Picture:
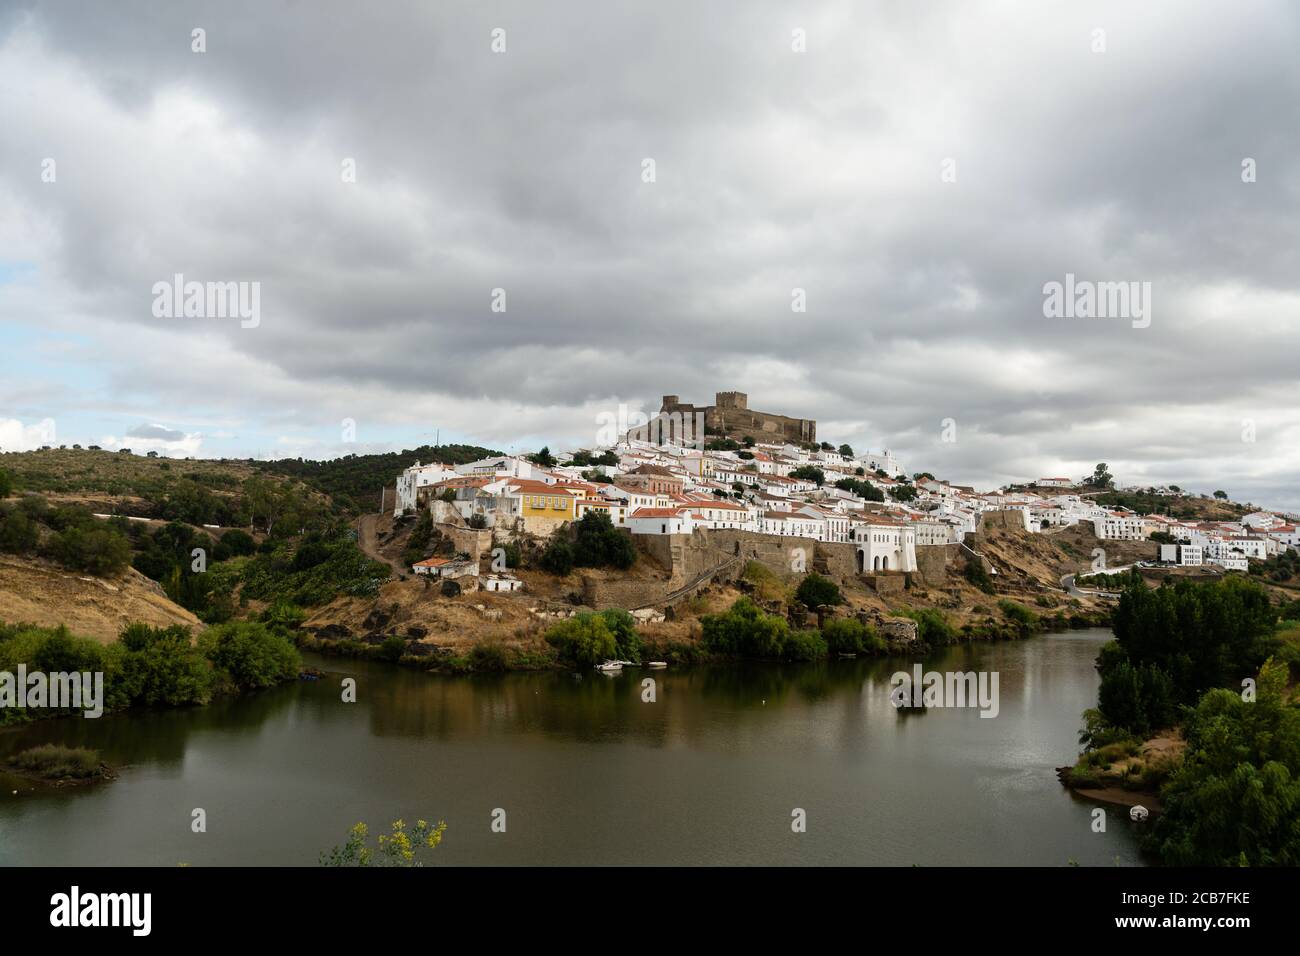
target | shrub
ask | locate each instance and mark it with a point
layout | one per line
(18, 532)
(392, 648)
(250, 655)
(583, 640)
(1026, 619)
(803, 646)
(489, 657)
(932, 626)
(815, 590)
(627, 639)
(162, 666)
(743, 630)
(57, 762)
(558, 557)
(6, 484)
(846, 635)
(598, 544)
(978, 575)
(99, 550)
(234, 544)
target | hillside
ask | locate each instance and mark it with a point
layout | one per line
(40, 592)
(354, 482)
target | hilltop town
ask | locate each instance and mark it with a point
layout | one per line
(691, 508)
(667, 478)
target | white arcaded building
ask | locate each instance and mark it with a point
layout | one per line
(885, 545)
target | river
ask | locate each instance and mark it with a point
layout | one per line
(589, 773)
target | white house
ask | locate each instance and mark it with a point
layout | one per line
(661, 521)
(1120, 527)
(885, 545)
(414, 478)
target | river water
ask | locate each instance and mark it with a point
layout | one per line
(587, 772)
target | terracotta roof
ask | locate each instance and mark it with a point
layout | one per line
(656, 513)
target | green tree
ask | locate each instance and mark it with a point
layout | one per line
(809, 473)
(815, 590)
(1100, 477)
(558, 556)
(627, 639)
(1222, 495)
(1236, 798)
(543, 458)
(6, 484)
(250, 655)
(744, 630)
(847, 635)
(583, 640)
(846, 450)
(18, 533)
(598, 544)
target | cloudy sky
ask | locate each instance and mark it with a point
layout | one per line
(920, 169)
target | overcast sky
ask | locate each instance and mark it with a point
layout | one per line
(920, 169)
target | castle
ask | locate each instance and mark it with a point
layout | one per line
(731, 416)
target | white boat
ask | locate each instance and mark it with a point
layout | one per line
(1138, 813)
(657, 665)
(610, 667)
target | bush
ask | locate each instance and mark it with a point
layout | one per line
(847, 635)
(391, 649)
(743, 630)
(598, 544)
(18, 532)
(978, 575)
(803, 646)
(162, 666)
(558, 557)
(627, 640)
(56, 762)
(6, 484)
(489, 657)
(1022, 616)
(234, 544)
(250, 655)
(815, 590)
(101, 551)
(932, 626)
(583, 640)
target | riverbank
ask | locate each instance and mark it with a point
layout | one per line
(1127, 773)
(680, 642)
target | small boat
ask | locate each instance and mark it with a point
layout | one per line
(1138, 813)
(846, 656)
(610, 667)
(657, 665)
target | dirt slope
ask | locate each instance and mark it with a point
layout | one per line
(36, 592)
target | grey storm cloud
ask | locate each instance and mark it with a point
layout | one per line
(775, 170)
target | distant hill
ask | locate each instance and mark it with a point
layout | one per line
(355, 481)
